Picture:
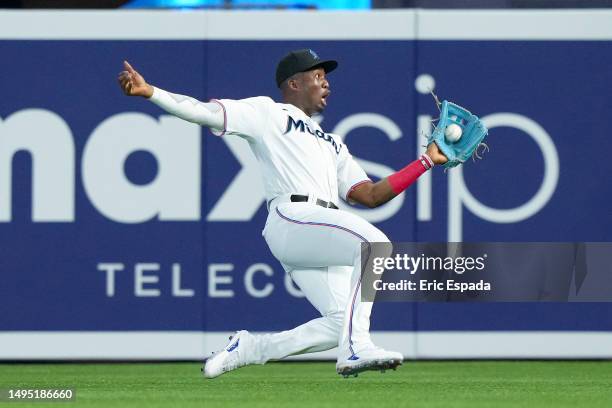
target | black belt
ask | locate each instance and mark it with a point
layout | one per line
(296, 198)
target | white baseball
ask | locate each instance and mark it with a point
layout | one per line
(453, 133)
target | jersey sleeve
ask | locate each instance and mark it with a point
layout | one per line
(244, 117)
(350, 174)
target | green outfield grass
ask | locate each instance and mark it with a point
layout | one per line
(415, 384)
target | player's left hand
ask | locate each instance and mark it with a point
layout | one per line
(434, 153)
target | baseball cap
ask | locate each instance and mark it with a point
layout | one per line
(301, 61)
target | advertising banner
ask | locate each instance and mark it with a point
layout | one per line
(117, 217)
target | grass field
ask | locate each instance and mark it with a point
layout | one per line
(416, 384)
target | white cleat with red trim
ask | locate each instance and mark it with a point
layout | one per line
(372, 358)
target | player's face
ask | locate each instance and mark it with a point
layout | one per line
(316, 89)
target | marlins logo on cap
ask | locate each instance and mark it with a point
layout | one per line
(301, 61)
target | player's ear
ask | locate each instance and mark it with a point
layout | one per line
(292, 83)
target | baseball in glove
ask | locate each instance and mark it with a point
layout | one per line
(472, 133)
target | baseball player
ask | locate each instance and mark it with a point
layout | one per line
(305, 172)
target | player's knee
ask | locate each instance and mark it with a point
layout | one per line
(376, 235)
(383, 238)
(336, 319)
(380, 245)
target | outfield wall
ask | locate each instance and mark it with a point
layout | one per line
(126, 233)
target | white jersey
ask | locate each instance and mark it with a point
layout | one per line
(295, 155)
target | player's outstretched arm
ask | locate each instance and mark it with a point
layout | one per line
(184, 107)
(375, 194)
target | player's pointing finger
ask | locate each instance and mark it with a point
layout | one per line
(128, 67)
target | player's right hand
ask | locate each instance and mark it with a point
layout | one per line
(132, 83)
(435, 154)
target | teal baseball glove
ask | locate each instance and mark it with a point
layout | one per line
(458, 134)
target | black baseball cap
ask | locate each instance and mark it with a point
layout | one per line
(301, 61)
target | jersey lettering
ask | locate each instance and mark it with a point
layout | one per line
(303, 127)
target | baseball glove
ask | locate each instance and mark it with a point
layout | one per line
(473, 132)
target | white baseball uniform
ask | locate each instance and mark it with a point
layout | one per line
(319, 247)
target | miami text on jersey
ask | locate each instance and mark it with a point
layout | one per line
(303, 127)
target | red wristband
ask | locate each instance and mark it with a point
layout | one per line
(402, 179)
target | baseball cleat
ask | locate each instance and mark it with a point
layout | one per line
(375, 358)
(234, 355)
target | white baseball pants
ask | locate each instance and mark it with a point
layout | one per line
(321, 249)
